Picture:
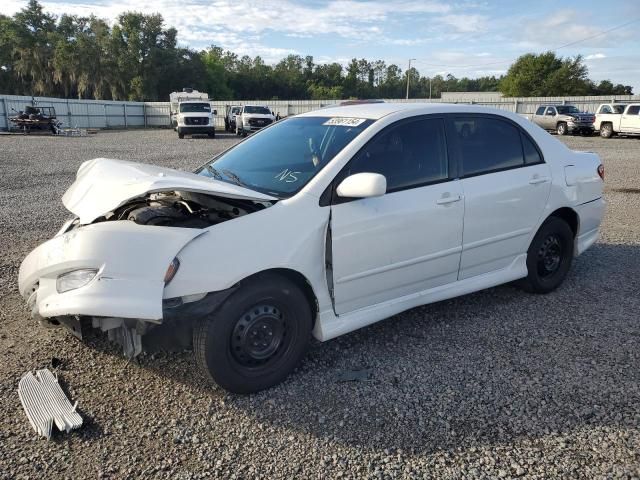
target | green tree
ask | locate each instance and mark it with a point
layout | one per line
(545, 75)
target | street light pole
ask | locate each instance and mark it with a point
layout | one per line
(408, 71)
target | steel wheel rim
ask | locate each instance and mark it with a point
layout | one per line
(550, 256)
(260, 336)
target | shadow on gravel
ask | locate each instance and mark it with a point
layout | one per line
(492, 367)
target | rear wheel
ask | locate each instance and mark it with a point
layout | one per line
(606, 130)
(257, 337)
(561, 128)
(549, 256)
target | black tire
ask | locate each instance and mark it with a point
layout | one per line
(549, 256)
(606, 130)
(256, 338)
(561, 128)
(180, 134)
(244, 134)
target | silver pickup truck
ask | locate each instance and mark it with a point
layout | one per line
(564, 119)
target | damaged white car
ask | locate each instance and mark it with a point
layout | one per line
(317, 225)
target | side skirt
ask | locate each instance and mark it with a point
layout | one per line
(330, 326)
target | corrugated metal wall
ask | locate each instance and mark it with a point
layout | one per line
(112, 114)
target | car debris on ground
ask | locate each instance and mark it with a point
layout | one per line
(45, 403)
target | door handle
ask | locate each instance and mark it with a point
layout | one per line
(449, 199)
(536, 180)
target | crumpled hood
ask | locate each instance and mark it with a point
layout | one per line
(103, 184)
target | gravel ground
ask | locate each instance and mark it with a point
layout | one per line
(495, 384)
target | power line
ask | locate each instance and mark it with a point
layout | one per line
(550, 49)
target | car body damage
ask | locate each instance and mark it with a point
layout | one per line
(316, 225)
(102, 185)
(131, 221)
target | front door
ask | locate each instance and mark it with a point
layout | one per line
(550, 118)
(409, 239)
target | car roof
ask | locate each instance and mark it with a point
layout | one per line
(375, 111)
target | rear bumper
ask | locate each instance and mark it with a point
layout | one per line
(591, 215)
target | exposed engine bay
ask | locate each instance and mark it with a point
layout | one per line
(183, 209)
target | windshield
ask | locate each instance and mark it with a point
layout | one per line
(564, 110)
(281, 159)
(261, 110)
(235, 110)
(195, 107)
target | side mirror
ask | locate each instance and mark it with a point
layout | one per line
(362, 185)
(215, 112)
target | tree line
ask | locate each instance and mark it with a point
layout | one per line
(138, 58)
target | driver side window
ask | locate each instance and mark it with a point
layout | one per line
(409, 155)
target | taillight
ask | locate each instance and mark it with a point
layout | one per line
(601, 171)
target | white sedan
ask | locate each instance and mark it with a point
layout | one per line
(317, 225)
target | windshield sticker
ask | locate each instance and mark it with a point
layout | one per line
(345, 121)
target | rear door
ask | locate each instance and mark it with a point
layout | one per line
(630, 121)
(506, 186)
(409, 239)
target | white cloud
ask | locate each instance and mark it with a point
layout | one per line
(595, 56)
(465, 23)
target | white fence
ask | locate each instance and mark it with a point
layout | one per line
(115, 114)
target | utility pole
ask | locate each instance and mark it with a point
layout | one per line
(429, 88)
(408, 71)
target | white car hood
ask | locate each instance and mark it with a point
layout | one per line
(103, 184)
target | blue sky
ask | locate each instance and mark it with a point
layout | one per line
(464, 38)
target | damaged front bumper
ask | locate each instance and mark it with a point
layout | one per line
(125, 298)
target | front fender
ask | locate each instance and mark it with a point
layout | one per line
(131, 260)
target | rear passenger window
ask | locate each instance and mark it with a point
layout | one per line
(408, 155)
(531, 153)
(487, 144)
(633, 110)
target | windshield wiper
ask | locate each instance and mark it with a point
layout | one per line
(216, 174)
(234, 177)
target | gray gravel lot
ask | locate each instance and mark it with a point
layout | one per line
(499, 383)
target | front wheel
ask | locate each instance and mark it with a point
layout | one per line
(562, 129)
(549, 256)
(257, 336)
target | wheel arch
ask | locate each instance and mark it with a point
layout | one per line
(297, 278)
(570, 216)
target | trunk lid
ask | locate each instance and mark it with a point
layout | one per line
(104, 184)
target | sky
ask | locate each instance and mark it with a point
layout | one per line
(465, 38)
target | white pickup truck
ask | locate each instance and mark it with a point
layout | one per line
(615, 118)
(252, 118)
